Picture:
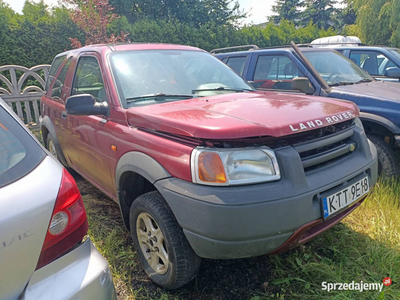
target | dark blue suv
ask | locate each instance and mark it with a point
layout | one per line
(325, 72)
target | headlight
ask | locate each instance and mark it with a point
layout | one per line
(358, 123)
(233, 166)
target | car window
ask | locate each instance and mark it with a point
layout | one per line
(275, 72)
(237, 64)
(373, 62)
(88, 79)
(53, 70)
(19, 153)
(59, 82)
(224, 60)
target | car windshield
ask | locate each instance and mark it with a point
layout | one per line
(19, 153)
(336, 69)
(148, 77)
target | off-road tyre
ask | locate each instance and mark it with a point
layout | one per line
(387, 159)
(183, 263)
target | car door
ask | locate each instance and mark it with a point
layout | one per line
(89, 141)
(375, 63)
(53, 101)
(275, 72)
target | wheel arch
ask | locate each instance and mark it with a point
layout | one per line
(47, 127)
(377, 125)
(135, 175)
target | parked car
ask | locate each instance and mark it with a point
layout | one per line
(43, 254)
(381, 62)
(325, 72)
(200, 163)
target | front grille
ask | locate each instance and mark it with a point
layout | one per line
(324, 150)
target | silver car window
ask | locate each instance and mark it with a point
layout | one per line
(19, 153)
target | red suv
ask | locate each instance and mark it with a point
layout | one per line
(201, 164)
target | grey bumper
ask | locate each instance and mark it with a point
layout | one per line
(251, 220)
(82, 273)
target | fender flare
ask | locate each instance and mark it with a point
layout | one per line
(141, 164)
(48, 124)
(381, 121)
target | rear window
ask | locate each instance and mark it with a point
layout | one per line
(19, 153)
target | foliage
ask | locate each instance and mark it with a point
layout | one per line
(42, 32)
(93, 18)
(320, 12)
(189, 12)
(287, 9)
(377, 21)
(36, 36)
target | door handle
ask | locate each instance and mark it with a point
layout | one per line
(64, 114)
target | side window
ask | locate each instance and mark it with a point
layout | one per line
(88, 79)
(275, 72)
(53, 70)
(59, 81)
(237, 64)
(373, 62)
(224, 60)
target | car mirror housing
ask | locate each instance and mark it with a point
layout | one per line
(303, 85)
(392, 72)
(85, 105)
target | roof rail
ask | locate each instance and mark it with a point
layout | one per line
(252, 47)
(334, 43)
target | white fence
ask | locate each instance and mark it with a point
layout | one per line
(18, 91)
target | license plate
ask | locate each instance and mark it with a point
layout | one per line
(343, 198)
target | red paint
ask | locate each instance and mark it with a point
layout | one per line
(86, 140)
(238, 115)
(312, 229)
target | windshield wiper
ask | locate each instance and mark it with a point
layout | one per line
(341, 83)
(364, 80)
(158, 97)
(221, 88)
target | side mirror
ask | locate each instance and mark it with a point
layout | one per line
(303, 85)
(85, 105)
(392, 72)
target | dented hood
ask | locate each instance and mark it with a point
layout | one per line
(241, 115)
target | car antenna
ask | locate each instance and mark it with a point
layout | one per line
(310, 67)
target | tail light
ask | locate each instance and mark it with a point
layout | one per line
(68, 224)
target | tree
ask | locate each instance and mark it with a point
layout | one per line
(93, 17)
(192, 12)
(288, 10)
(321, 12)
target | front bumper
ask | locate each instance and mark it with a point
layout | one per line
(244, 221)
(82, 273)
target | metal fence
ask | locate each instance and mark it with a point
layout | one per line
(21, 88)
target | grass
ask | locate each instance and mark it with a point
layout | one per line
(364, 247)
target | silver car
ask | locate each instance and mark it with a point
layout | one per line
(43, 224)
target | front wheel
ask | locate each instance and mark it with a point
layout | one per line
(164, 252)
(387, 159)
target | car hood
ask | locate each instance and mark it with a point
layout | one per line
(380, 90)
(242, 115)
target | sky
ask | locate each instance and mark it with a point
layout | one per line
(258, 9)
